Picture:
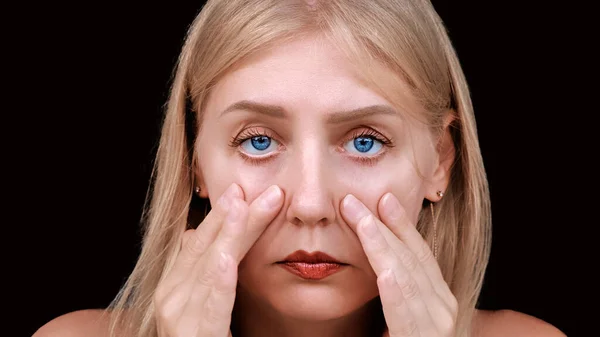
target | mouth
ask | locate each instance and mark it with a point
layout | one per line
(311, 266)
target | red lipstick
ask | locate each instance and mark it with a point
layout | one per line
(311, 266)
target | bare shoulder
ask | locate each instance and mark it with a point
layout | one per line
(81, 323)
(502, 323)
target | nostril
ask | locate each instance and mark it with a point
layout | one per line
(298, 222)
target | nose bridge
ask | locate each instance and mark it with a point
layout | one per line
(311, 196)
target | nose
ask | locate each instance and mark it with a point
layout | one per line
(312, 199)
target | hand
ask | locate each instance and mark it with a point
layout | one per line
(416, 299)
(196, 297)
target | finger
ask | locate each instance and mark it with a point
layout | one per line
(395, 218)
(364, 223)
(233, 231)
(236, 236)
(211, 300)
(196, 242)
(262, 211)
(383, 259)
(397, 252)
(209, 228)
(398, 317)
(244, 224)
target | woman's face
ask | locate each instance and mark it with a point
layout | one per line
(297, 115)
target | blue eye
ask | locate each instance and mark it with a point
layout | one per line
(363, 145)
(258, 145)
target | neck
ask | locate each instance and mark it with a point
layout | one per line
(252, 318)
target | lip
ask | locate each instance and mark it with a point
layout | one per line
(311, 266)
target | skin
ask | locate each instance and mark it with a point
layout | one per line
(324, 197)
(316, 165)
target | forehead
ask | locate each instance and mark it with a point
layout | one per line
(308, 74)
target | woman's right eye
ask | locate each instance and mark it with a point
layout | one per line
(259, 145)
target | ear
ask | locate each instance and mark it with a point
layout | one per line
(198, 181)
(446, 154)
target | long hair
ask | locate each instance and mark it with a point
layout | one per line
(407, 37)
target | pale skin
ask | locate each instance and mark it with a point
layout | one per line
(311, 188)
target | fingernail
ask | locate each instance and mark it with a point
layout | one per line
(271, 197)
(354, 210)
(231, 192)
(391, 206)
(369, 226)
(223, 262)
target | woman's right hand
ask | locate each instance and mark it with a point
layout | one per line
(196, 297)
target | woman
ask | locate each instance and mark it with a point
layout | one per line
(336, 144)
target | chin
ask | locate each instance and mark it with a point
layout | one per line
(314, 302)
(330, 298)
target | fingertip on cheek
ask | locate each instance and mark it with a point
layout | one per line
(272, 198)
(390, 206)
(237, 191)
(353, 210)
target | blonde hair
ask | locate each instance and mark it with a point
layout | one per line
(407, 37)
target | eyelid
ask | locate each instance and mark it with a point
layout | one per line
(250, 132)
(360, 131)
(364, 131)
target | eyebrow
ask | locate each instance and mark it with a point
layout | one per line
(337, 117)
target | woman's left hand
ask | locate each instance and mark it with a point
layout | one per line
(415, 297)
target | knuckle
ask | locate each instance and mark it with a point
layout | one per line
(196, 245)
(186, 236)
(207, 277)
(409, 260)
(424, 253)
(410, 289)
(381, 246)
(209, 273)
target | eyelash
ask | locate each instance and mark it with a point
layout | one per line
(370, 132)
(237, 141)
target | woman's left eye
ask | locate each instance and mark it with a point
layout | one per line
(363, 145)
(259, 145)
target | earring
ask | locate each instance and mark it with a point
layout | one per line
(197, 189)
(435, 246)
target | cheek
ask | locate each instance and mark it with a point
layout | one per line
(254, 179)
(410, 190)
(226, 167)
(395, 175)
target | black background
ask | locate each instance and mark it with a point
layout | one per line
(100, 76)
